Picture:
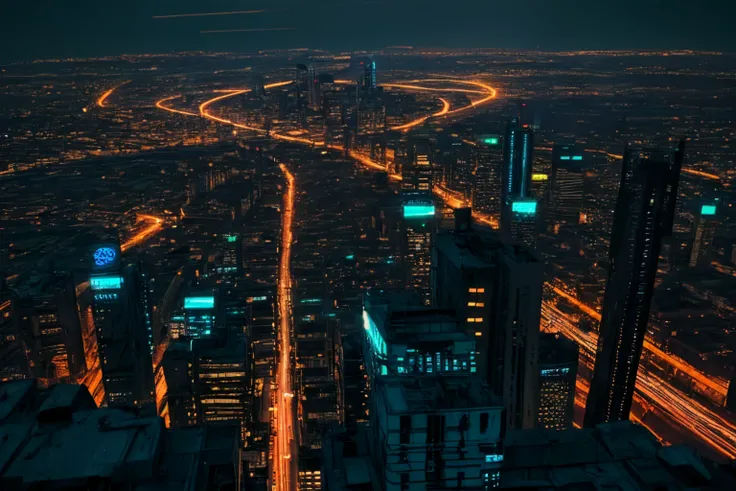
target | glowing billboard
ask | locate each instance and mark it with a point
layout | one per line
(105, 283)
(199, 302)
(418, 211)
(524, 207)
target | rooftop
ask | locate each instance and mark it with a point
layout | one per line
(58, 438)
(620, 456)
(419, 394)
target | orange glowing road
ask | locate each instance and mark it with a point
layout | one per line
(101, 100)
(720, 386)
(155, 226)
(161, 105)
(283, 465)
(692, 172)
(670, 403)
(489, 92)
(450, 197)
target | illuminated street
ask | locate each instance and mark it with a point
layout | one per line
(285, 446)
(156, 224)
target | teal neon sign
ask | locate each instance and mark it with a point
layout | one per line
(418, 211)
(491, 141)
(199, 302)
(106, 283)
(708, 210)
(524, 207)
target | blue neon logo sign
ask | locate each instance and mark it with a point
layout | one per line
(104, 256)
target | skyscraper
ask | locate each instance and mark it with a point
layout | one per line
(13, 362)
(519, 207)
(558, 369)
(704, 233)
(369, 76)
(644, 215)
(49, 325)
(200, 314)
(495, 288)
(565, 187)
(123, 322)
(418, 232)
(486, 191)
(313, 87)
(417, 173)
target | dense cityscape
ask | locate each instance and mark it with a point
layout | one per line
(392, 270)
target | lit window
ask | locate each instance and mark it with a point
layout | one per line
(478, 334)
(478, 319)
(481, 290)
(471, 319)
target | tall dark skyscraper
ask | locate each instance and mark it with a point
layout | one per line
(418, 233)
(369, 76)
(123, 322)
(313, 87)
(519, 207)
(495, 288)
(644, 215)
(704, 231)
(565, 187)
(558, 369)
(417, 173)
(486, 188)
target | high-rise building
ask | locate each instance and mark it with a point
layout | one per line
(200, 314)
(565, 187)
(495, 288)
(558, 369)
(65, 435)
(704, 233)
(313, 87)
(318, 378)
(370, 82)
(417, 173)
(519, 207)
(50, 328)
(402, 336)
(486, 191)
(13, 361)
(435, 432)
(644, 214)
(123, 322)
(418, 232)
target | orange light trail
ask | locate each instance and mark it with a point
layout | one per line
(285, 444)
(429, 89)
(160, 105)
(490, 94)
(673, 404)
(144, 234)
(692, 172)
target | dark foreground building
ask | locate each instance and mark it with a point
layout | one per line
(58, 439)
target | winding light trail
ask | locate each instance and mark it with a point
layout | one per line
(101, 100)
(285, 444)
(155, 227)
(161, 105)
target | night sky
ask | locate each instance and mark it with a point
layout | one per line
(79, 28)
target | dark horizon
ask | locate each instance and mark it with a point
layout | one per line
(89, 29)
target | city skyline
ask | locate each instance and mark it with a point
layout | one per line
(398, 270)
